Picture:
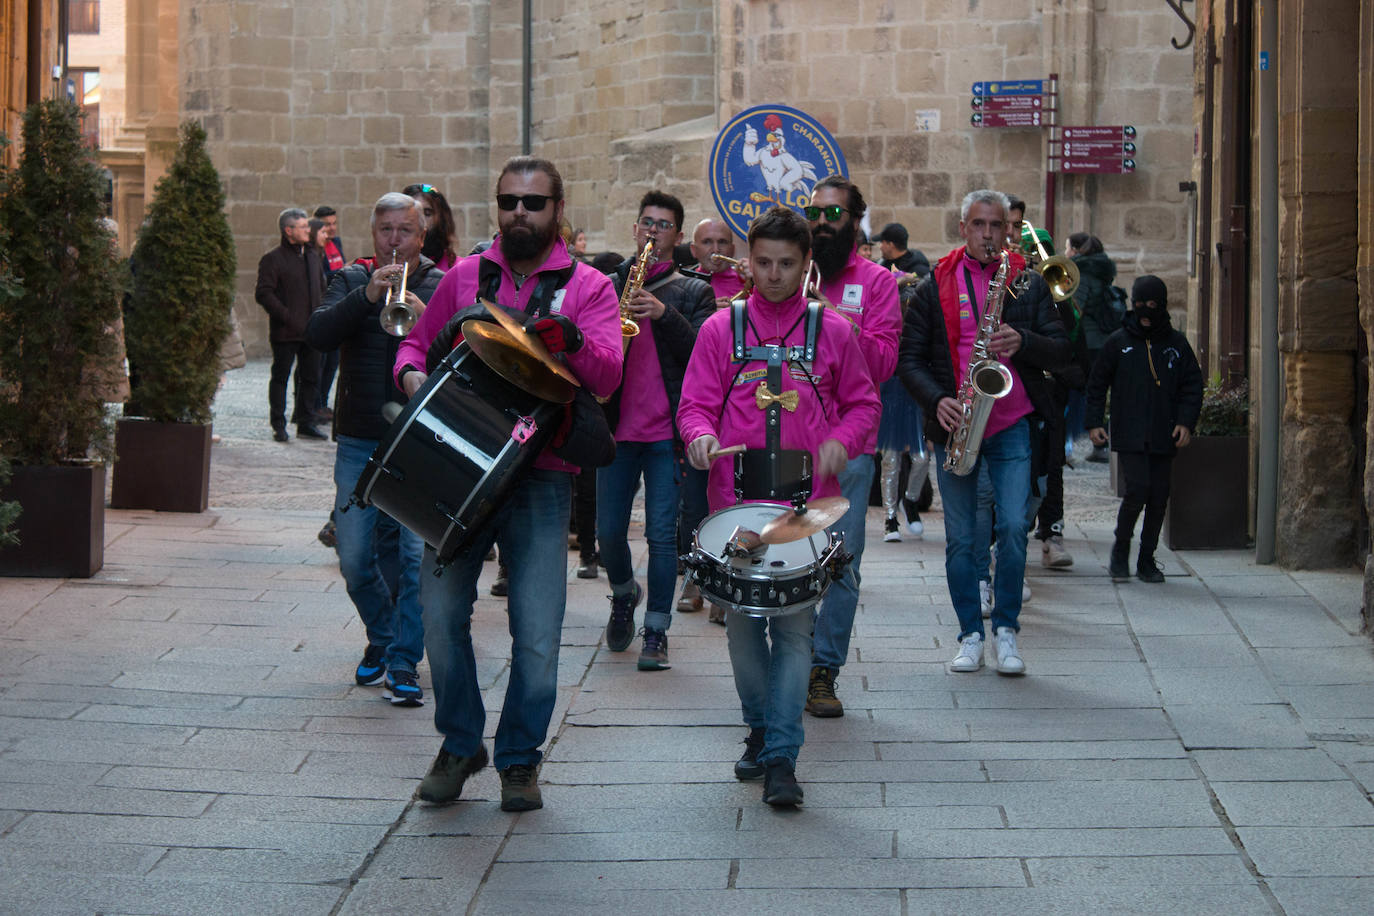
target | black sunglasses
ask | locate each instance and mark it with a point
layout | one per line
(833, 213)
(533, 202)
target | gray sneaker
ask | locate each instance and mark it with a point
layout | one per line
(444, 781)
(520, 788)
(1052, 553)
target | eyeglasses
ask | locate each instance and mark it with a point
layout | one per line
(666, 225)
(533, 202)
(833, 213)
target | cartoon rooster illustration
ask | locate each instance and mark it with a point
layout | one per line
(782, 172)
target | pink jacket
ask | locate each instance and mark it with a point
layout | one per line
(588, 300)
(867, 293)
(848, 414)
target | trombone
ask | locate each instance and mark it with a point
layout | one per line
(1060, 273)
(397, 317)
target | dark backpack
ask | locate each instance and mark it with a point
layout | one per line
(1113, 310)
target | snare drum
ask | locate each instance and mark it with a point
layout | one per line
(768, 580)
(455, 452)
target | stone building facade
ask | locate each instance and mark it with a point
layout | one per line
(320, 101)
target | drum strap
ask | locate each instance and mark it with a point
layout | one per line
(489, 283)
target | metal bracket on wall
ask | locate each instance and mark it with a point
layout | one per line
(1177, 7)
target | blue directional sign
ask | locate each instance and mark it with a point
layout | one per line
(1009, 87)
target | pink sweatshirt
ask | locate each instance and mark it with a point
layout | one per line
(588, 300)
(867, 293)
(849, 413)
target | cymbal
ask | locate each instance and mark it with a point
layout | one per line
(507, 358)
(531, 343)
(791, 525)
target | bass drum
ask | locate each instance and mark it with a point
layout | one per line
(455, 452)
(768, 580)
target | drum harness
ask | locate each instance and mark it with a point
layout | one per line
(802, 356)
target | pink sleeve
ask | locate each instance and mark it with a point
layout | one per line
(442, 306)
(856, 403)
(703, 387)
(882, 328)
(596, 312)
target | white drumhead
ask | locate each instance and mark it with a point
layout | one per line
(776, 559)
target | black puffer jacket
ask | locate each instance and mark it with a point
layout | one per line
(687, 303)
(1096, 273)
(366, 352)
(926, 368)
(1156, 385)
(911, 262)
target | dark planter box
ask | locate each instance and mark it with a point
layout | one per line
(1209, 495)
(62, 528)
(161, 466)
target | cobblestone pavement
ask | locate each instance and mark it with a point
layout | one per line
(180, 734)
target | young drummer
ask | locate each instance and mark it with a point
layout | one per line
(829, 409)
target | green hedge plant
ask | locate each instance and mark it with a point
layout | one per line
(56, 329)
(183, 290)
(1225, 411)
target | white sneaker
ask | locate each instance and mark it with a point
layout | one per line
(985, 599)
(890, 532)
(1025, 592)
(970, 657)
(1008, 656)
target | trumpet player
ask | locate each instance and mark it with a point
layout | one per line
(662, 310)
(348, 321)
(713, 245)
(866, 295)
(943, 324)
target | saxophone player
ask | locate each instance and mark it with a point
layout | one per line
(667, 309)
(938, 339)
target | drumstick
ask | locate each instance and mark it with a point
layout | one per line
(715, 453)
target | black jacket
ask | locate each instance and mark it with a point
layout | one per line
(1156, 384)
(349, 322)
(1096, 273)
(926, 368)
(290, 285)
(911, 262)
(687, 303)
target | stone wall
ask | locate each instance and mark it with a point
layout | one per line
(335, 101)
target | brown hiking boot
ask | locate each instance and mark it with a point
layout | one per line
(444, 781)
(821, 701)
(520, 788)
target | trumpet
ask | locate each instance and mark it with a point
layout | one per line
(718, 259)
(1060, 273)
(397, 317)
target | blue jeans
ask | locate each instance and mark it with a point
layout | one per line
(615, 494)
(362, 532)
(771, 680)
(1007, 456)
(531, 530)
(835, 622)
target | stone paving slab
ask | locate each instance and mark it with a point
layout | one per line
(181, 733)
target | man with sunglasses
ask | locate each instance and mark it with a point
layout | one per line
(865, 294)
(573, 308)
(668, 308)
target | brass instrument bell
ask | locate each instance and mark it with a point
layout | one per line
(1059, 272)
(397, 317)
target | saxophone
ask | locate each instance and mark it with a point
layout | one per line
(634, 281)
(986, 381)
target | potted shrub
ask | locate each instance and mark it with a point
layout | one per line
(56, 341)
(1209, 496)
(176, 321)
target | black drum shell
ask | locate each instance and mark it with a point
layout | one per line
(452, 456)
(754, 475)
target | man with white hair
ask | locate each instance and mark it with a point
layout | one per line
(290, 283)
(349, 321)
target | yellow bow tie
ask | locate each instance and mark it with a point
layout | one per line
(763, 397)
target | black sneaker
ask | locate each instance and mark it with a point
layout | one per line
(401, 688)
(328, 535)
(1118, 568)
(748, 766)
(913, 517)
(444, 781)
(280, 435)
(654, 655)
(620, 629)
(307, 431)
(371, 671)
(780, 787)
(1147, 570)
(520, 788)
(891, 530)
(588, 570)
(501, 587)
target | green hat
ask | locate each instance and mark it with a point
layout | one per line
(1028, 244)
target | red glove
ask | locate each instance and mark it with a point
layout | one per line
(559, 334)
